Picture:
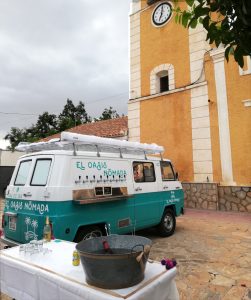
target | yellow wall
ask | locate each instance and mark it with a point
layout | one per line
(238, 89)
(166, 120)
(156, 49)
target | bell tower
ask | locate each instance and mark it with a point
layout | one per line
(181, 96)
(165, 63)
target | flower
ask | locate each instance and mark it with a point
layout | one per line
(169, 263)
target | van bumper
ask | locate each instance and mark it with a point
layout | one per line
(8, 242)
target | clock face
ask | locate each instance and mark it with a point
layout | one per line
(161, 14)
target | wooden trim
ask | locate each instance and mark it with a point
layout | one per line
(102, 199)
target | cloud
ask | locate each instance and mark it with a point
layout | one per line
(54, 50)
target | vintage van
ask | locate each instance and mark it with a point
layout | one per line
(90, 186)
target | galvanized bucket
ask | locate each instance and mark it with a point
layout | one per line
(122, 268)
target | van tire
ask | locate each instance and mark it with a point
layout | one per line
(168, 223)
(87, 233)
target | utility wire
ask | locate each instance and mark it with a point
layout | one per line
(89, 102)
(22, 114)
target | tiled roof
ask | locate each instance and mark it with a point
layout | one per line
(113, 128)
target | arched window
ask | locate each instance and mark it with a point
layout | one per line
(162, 79)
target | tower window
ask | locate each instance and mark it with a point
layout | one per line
(162, 79)
(164, 84)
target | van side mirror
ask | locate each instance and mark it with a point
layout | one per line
(176, 176)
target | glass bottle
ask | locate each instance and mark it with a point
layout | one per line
(107, 248)
(47, 230)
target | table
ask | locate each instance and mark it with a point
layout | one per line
(52, 276)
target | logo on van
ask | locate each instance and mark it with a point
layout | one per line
(79, 165)
(29, 234)
(41, 208)
(99, 165)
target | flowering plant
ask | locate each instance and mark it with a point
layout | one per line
(169, 263)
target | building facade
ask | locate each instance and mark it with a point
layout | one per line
(186, 97)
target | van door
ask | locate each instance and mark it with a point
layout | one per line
(170, 185)
(36, 188)
(147, 200)
(25, 201)
(14, 200)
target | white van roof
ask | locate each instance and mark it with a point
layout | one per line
(69, 141)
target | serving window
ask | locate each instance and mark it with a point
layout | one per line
(166, 171)
(143, 172)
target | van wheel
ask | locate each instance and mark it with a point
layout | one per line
(87, 233)
(168, 223)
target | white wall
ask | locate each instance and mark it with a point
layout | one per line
(8, 158)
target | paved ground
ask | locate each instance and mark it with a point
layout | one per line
(213, 250)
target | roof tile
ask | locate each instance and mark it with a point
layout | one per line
(112, 128)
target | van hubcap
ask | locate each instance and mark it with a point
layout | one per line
(168, 222)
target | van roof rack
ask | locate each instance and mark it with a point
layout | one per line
(75, 142)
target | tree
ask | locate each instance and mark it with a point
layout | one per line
(81, 114)
(67, 118)
(227, 22)
(46, 125)
(15, 136)
(108, 113)
(72, 116)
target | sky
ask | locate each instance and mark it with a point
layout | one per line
(54, 50)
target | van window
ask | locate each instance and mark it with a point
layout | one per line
(166, 171)
(23, 172)
(41, 172)
(143, 172)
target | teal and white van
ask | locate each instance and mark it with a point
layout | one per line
(90, 186)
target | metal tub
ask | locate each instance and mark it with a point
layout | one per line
(123, 268)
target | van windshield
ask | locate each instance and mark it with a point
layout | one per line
(41, 172)
(23, 172)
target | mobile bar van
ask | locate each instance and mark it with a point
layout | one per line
(90, 186)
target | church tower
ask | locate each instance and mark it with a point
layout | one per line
(186, 97)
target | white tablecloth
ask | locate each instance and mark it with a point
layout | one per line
(52, 276)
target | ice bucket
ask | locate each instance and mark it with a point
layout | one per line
(121, 266)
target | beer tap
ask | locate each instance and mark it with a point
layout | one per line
(93, 180)
(86, 179)
(100, 180)
(79, 180)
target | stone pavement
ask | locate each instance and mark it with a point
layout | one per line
(213, 250)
